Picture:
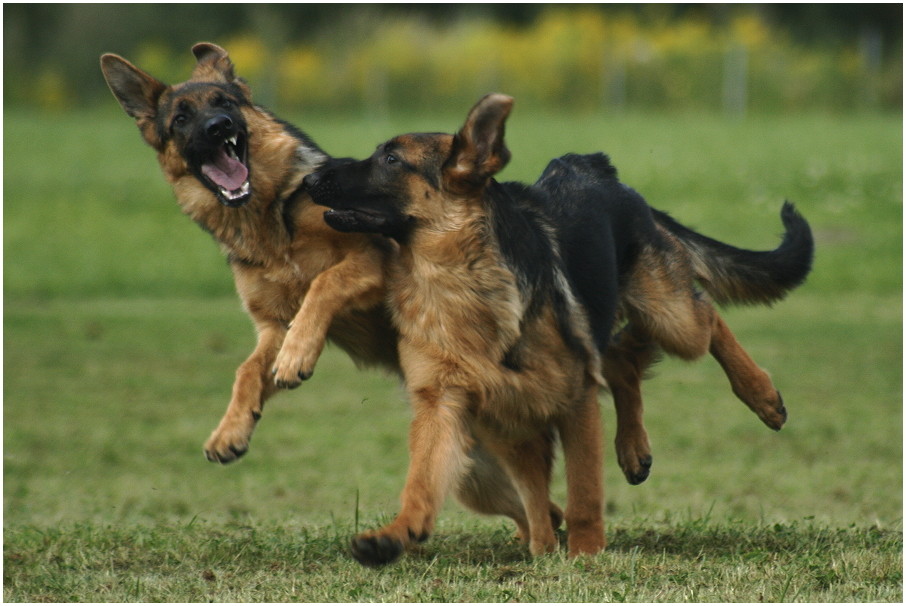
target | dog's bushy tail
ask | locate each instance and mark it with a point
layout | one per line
(734, 275)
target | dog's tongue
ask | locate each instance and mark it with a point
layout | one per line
(225, 171)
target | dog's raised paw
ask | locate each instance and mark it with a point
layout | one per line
(774, 415)
(227, 445)
(287, 380)
(641, 474)
(230, 454)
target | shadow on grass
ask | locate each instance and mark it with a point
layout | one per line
(703, 538)
(693, 540)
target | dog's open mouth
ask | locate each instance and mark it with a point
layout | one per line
(227, 171)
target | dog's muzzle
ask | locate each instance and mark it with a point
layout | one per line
(323, 187)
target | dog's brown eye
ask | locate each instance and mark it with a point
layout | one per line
(391, 159)
(179, 120)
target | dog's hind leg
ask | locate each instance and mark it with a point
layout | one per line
(580, 432)
(487, 489)
(661, 299)
(252, 387)
(625, 361)
(528, 465)
(685, 324)
(670, 327)
(750, 383)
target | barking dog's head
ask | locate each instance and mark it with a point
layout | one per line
(199, 122)
(421, 179)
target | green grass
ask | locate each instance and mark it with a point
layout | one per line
(677, 561)
(122, 332)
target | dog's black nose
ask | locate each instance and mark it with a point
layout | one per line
(219, 126)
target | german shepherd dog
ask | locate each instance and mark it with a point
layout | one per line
(506, 297)
(237, 171)
(495, 349)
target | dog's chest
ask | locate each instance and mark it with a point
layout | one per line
(273, 291)
(287, 271)
(471, 312)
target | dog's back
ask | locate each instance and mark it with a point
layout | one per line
(600, 225)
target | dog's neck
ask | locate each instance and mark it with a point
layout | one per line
(253, 232)
(452, 292)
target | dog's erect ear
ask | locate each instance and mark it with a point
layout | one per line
(479, 151)
(136, 91)
(213, 63)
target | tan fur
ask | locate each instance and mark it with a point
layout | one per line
(459, 311)
(665, 311)
(299, 283)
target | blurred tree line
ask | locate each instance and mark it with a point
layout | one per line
(734, 58)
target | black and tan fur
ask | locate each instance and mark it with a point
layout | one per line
(660, 306)
(495, 349)
(300, 281)
(496, 292)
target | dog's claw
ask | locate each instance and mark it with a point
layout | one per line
(223, 459)
(302, 375)
(781, 410)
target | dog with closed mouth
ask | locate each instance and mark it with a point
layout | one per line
(507, 297)
(495, 349)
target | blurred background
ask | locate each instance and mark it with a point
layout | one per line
(730, 58)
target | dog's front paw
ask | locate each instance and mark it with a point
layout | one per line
(376, 550)
(230, 440)
(296, 362)
(586, 538)
(384, 546)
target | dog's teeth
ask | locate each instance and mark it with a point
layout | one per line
(233, 140)
(236, 193)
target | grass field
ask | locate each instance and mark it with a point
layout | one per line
(122, 332)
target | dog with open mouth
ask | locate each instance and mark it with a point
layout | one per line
(237, 171)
